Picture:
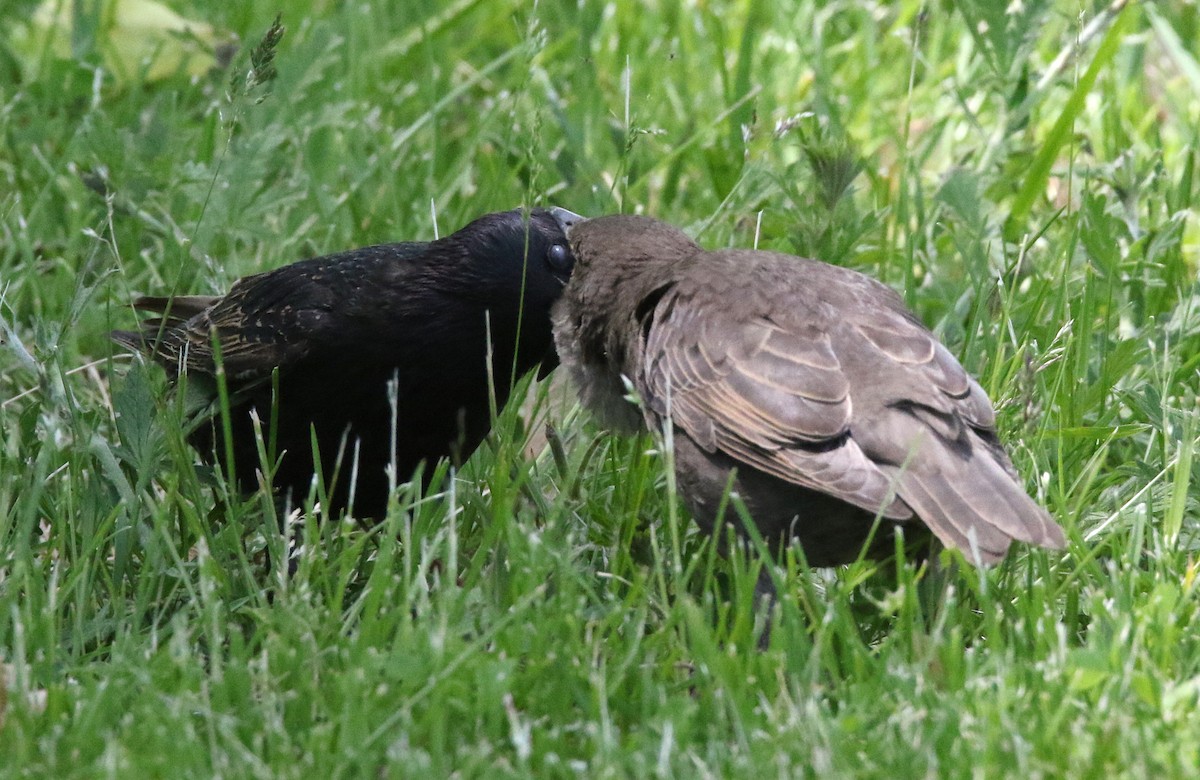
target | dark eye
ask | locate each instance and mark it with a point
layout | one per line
(559, 257)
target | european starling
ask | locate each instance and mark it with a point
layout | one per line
(806, 390)
(311, 348)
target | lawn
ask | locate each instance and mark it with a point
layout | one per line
(1023, 173)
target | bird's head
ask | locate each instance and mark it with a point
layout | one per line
(516, 264)
(620, 261)
(519, 257)
(624, 245)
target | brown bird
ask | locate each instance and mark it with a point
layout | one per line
(311, 348)
(807, 390)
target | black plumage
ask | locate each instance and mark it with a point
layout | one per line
(807, 389)
(311, 348)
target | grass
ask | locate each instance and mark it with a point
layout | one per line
(1027, 181)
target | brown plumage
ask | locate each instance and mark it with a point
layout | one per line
(808, 389)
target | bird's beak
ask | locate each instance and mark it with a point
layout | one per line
(566, 219)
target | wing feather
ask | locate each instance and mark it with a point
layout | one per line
(254, 328)
(865, 405)
(774, 399)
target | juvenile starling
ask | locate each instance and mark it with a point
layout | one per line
(806, 390)
(314, 345)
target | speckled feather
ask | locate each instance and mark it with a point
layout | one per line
(337, 329)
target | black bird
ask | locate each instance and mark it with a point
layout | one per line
(806, 389)
(314, 345)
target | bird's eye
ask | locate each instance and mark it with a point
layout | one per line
(559, 257)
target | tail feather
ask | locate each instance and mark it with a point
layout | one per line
(129, 338)
(952, 520)
(973, 503)
(172, 312)
(181, 307)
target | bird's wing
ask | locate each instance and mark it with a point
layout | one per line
(776, 398)
(274, 319)
(866, 406)
(928, 425)
(266, 321)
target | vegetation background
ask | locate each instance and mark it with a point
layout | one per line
(1024, 173)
